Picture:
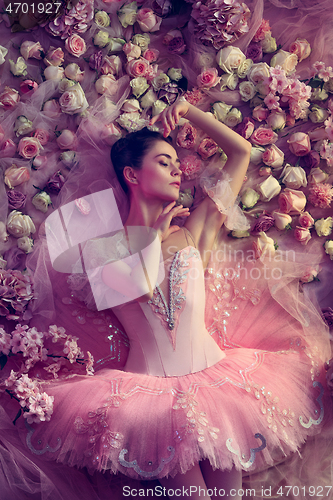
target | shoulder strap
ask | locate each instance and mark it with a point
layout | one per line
(189, 238)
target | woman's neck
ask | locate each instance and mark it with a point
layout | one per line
(143, 212)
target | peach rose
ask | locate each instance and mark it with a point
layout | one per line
(148, 20)
(281, 220)
(299, 144)
(73, 72)
(306, 220)
(292, 201)
(301, 48)
(263, 136)
(302, 234)
(75, 45)
(14, 176)
(28, 147)
(31, 49)
(67, 140)
(137, 67)
(9, 98)
(260, 113)
(273, 157)
(42, 135)
(54, 56)
(132, 51)
(208, 78)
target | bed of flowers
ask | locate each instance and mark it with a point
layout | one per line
(94, 71)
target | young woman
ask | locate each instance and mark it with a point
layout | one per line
(184, 411)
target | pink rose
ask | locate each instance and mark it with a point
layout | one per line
(148, 20)
(67, 140)
(7, 149)
(321, 195)
(208, 78)
(302, 234)
(309, 275)
(73, 72)
(190, 166)
(39, 162)
(111, 65)
(306, 220)
(273, 157)
(151, 55)
(14, 176)
(31, 49)
(52, 108)
(27, 86)
(106, 84)
(42, 135)
(246, 128)
(207, 148)
(75, 45)
(9, 98)
(262, 31)
(132, 51)
(186, 136)
(54, 56)
(28, 147)
(292, 201)
(265, 171)
(281, 220)
(299, 144)
(301, 48)
(318, 134)
(260, 113)
(175, 42)
(263, 136)
(137, 67)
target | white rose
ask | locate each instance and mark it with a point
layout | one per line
(127, 14)
(3, 262)
(276, 120)
(318, 94)
(158, 107)
(175, 74)
(19, 225)
(131, 121)
(22, 126)
(25, 243)
(139, 85)
(286, 60)
(318, 114)
(131, 105)
(229, 80)
(317, 175)
(65, 84)
(220, 110)
(249, 197)
(233, 118)
(329, 248)
(73, 72)
(324, 226)
(244, 68)
(258, 72)
(68, 158)
(205, 60)
(18, 68)
(142, 40)
(116, 44)
(269, 188)
(101, 39)
(240, 234)
(268, 44)
(247, 90)
(256, 154)
(160, 80)
(148, 99)
(3, 233)
(281, 220)
(230, 58)
(54, 73)
(73, 100)
(41, 201)
(263, 246)
(3, 53)
(102, 19)
(293, 177)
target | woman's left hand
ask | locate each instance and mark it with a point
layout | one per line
(171, 115)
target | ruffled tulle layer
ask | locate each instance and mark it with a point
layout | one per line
(151, 427)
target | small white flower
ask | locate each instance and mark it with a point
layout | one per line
(41, 201)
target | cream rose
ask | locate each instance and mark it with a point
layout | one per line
(116, 44)
(268, 44)
(73, 100)
(73, 72)
(139, 85)
(258, 72)
(220, 110)
(142, 40)
(101, 39)
(19, 68)
(286, 60)
(293, 177)
(301, 48)
(111, 65)
(329, 248)
(233, 118)
(244, 68)
(130, 106)
(264, 246)
(249, 198)
(247, 90)
(106, 84)
(230, 58)
(318, 94)
(68, 158)
(127, 14)
(102, 19)
(318, 114)
(25, 243)
(51, 108)
(65, 84)
(317, 175)
(23, 126)
(281, 220)
(158, 107)
(323, 226)
(14, 176)
(148, 99)
(19, 225)
(269, 188)
(277, 120)
(160, 80)
(131, 121)
(54, 73)
(54, 56)
(229, 80)
(175, 74)
(31, 49)
(256, 154)
(3, 53)
(41, 201)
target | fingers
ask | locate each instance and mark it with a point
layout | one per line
(169, 118)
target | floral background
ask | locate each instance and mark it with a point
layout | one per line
(84, 73)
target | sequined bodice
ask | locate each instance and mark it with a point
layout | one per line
(167, 333)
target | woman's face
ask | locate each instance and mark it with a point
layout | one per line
(159, 177)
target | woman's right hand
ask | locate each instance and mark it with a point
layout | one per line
(162, 225)
(171, 115)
